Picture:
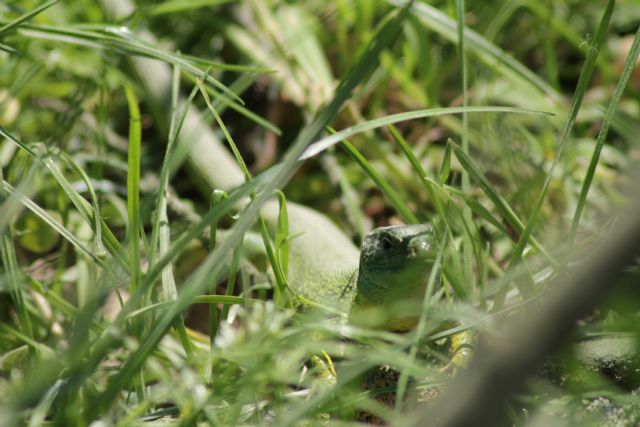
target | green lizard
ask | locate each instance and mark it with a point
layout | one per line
(392, 266)
(391, 275)
(382, 286)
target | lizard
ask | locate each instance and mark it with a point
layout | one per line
(382, 285)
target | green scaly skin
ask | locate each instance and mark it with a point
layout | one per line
(382, 286)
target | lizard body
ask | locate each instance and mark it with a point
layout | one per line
(392, 268)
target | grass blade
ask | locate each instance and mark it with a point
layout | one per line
(386, 188)
(602, 135)
(33, 207)
(133, 187)
(16, 22)
(581, 88)
(501, 205)
(326, 142)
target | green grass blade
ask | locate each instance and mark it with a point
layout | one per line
(394, 198)
(581, 88)
(326, 142)
(13, 275)
(217, 197)
(8, 49)
(33, 207)
(133, 187)
(282, 234)
(469, 236)
(88, 214)
(222, 103)
(176, 6)
(462, 58)
(12, 272)
(445, 168)
(16, 22)
(171, 159)
(200, 299)
(431, 188)
(501, 205)
(161, 232)
(281, 279)
(5, 133)
(439, 198)
(98, 246)
(478, 209)
(629, 65)
(225, 131)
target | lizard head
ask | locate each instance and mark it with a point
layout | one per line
(395, 263)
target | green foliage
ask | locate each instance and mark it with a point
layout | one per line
(143, 144)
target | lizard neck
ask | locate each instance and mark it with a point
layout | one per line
(369, 290)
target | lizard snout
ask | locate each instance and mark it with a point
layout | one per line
(421, 248)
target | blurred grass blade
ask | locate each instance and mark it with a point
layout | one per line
(122, 40)
(13, 275)
(493, 56)
(16, 22)
(469, 236)
(200, 299)
(43, 215)
(8, 49)
(176, 6)
(84, 208)
(217, 197)
(98, 246)
(403, 380)
(445, 168)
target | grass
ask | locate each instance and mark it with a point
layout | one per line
(155, 159)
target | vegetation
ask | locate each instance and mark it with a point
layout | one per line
(139, 141)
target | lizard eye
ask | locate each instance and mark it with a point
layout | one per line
(386, 243)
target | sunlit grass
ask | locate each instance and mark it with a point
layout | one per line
(169, 147)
